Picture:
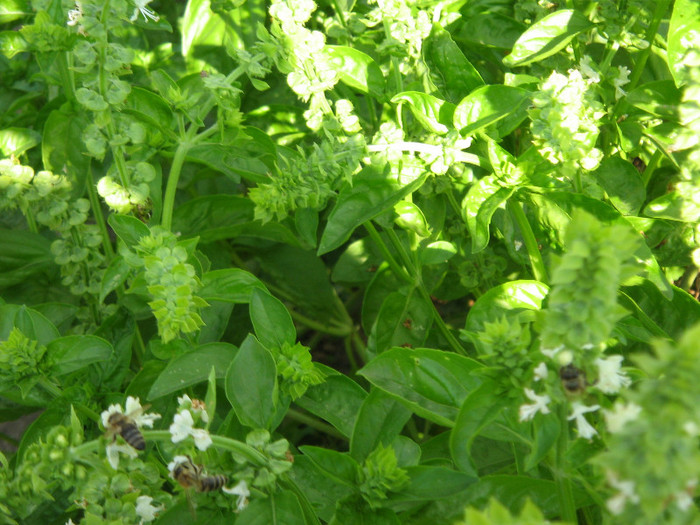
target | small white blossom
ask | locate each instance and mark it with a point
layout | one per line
(610, 377)
(202, 439)
(691, 428)
(182, 427)
(70, 522)
(113, 449)
(145, 510)
(626, 493)
(620, 415)
(591, 74)
(551, 352)
(684, 498)
(585, 430)
(240, 490)
(621, 79)
(75, 15)
(147, 12)
(195, 405)
(527, 412)
(541, 372)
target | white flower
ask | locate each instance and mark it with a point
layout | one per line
(621, 79)
(70, 522)
(147, 12)
(113, 449)
(541, 372)
(240, 490)
(75, 15)
(617, 503)
(202, 439)
(591, 74)
(145, 510)
(177, 460)
(182, 427)
(684, 498)
(691, 428)
(197, 406)
(552, 352)
(610, 377)
(585, 430)
(620, 415)
(527, 412)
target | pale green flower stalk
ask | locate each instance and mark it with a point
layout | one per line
(652, 462)
(564, 122)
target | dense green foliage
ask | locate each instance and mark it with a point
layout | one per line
(350, 262)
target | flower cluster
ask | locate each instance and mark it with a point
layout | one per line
(380, 474)
(298, 371)
(22, 362)
(123, 199)
(171, 282)
(653, 455)
(565, 119)
(184, 421)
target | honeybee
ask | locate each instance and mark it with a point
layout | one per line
(189, 475)
(573, 379)
(123, 425)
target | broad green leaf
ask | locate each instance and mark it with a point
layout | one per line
(623, 184)
(348, 512)
(660, 98)
(488, 105)
(302, 278)
(216, 217)
(216, 319)
(380, 419)
(62, 149)
(229, 160)
(320, 490)
(546, 430)
(452, 73)
(271, 320)
(372, 192)
(192, 368)
(115, 275)
(661, 316)
(481, 407)
(490, 30)
(428, 483)
(358, 263)
(282, 509)
(682, 37)
(546, 37)
(431, 383)
(403, 320)
(410, 217)
(23, 254)
(338, 400)
(434, 114)
(205, 35)
(478, 207)
(150, 108)
(251, 384)
(437, 252)
(672, 206)
(15, 141)
(11, 10)
(73, 352)
(12, 43)
(232, 285)
(513, 491)
(129, 229)
(338, 466)
(32, 324)
(357, 70)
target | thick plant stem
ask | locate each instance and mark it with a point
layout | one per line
(171, 187)
(638, 69)
(566, 496)
(538, 269)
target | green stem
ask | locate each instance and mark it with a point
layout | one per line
(171, 187)
(395, 267)
(341, 331)
(238, 447)
(347, 344)
(651, 167)
(538, 268)
(97, 213)
(314, 423)
(638, 69)
(566, 496)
